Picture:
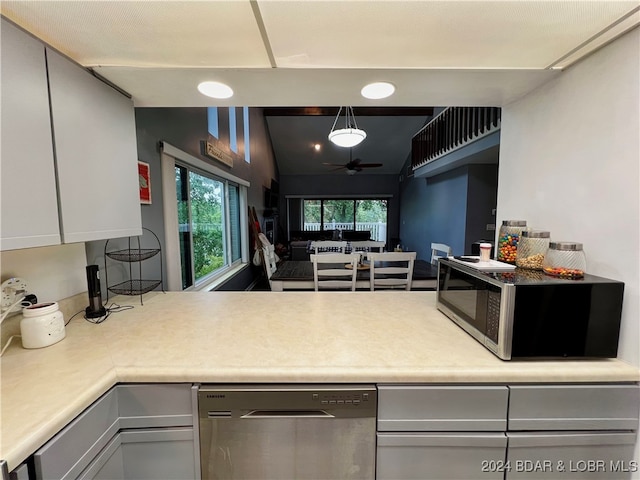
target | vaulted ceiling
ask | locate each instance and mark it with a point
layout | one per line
(320, 53)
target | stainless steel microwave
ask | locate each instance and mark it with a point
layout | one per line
(527, 314)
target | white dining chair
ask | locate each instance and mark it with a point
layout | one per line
(328, 246)
(335, 270)
(367, 246)
(269, 257)
(439, 250)
(394, 270)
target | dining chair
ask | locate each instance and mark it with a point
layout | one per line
(269, 257)
(335, 270)
(328, 246)
(394, 270)
(437, 249)
(367, 246)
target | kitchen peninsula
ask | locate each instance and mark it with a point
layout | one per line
(256, 337)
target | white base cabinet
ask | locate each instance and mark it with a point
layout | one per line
(450, 456)
(511, 432)
(441, 432)
(131, 432)
(145, 455)
(572, 431)
(577, 455)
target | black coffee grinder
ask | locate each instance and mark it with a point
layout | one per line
(95, 308)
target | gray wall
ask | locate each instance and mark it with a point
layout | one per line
(453, 207)
(185, 128)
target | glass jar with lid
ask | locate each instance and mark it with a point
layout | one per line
(508, 238)
(565, 260)
(532, 247)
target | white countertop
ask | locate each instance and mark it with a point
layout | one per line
(379, 337)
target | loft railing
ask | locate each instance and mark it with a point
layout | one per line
(453, 128)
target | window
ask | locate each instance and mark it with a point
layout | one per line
(205, 212)
(208, 224)
(347, 214)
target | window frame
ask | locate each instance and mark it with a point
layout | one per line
(170, 157)
(354, 199)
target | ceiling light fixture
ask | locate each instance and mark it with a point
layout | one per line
(350, 135)
(378, 90)
(215, 90)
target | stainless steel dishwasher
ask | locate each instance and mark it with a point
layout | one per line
(287, 432)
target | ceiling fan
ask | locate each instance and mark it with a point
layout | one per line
(352, 166)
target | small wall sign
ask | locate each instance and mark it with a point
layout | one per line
(215, 152)
(144, 179)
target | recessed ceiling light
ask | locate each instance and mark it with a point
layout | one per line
(317, 147)
(215, 90)
(378, 90)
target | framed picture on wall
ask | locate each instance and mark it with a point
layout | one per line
(144, 178)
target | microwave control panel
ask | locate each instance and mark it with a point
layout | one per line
(493, 315)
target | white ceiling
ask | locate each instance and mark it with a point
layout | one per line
(321, 52)
(318, 52)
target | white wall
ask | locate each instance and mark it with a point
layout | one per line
(52, 273)
(569, 158)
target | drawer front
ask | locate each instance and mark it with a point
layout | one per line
(440, 455)
(442, 408)
(75, 446)
(574, 407)
(155, 405)
(576, 455)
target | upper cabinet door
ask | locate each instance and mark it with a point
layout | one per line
(96, 155)
(28, 194)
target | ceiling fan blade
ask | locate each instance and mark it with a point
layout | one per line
(370, 165)
(339, 168)
(333, 164)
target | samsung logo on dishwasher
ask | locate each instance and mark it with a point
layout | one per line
(216, 395)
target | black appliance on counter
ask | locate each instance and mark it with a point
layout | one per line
(527, 314)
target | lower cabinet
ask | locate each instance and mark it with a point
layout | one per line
(441, 432)
(145, 455)
(542, 432)
(441, 456)
(145, 431)
(577, 455)
(572, 431)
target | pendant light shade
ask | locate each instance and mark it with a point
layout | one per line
(350, 135)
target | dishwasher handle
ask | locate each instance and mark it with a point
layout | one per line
(288, 414)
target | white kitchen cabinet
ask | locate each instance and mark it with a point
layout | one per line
(133, 431)
(571, 455)
(441, 431)
(145, 455)
(572, 431)
(96, 155)
(69, 156)
(510, 432)
(28, 194)
(455, 456)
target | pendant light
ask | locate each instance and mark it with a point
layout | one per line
(350, 135)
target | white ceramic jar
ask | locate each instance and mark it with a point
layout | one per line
(42, 325)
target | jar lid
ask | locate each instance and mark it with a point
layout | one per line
(536, 234)
(570, 246)
(514, 223)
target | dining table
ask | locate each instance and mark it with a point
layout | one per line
(298, 275)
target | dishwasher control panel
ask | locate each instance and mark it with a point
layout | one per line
(238, 401)
(341, 398)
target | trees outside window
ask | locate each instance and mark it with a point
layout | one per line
(347, 214)
(208, 222)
